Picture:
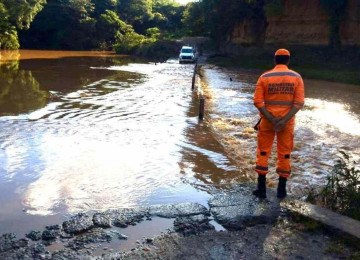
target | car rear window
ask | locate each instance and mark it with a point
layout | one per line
(186, 50)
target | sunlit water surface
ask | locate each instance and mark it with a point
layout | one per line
(99, 131)
(87, 131)
(329, 123)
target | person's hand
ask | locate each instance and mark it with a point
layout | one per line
(275, 120)
(279, 125)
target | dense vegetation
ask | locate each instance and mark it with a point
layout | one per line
(128, 24)
(16, 16)
(125, 24)
(342, 190)
(149, 27)
(88, 24)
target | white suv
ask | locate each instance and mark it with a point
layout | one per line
(187, 54)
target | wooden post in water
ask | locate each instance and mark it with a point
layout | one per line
(194, 77)
(201, 108)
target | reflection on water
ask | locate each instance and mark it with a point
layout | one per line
(87, 132)
(329, 122)
(109, 133)
(6, 56)
(19, 91)
(31, 84)
(333, 115)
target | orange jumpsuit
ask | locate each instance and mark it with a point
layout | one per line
(278, 90)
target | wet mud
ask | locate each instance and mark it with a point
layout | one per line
(251, 229)
(88, 234)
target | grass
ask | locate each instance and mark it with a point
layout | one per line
(335, 248)
(307, 224)
(340, 244)
(349, 77)
(342, 190)
(311, 62)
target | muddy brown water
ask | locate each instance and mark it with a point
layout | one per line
(93, 131)
(329, 122)
(85, 131)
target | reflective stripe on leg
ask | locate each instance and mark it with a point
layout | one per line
(261, 170)
(283, 173)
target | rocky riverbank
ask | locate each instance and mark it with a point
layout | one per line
(233, 225)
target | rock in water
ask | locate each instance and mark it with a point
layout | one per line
(77, 224)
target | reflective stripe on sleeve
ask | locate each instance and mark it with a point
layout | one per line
(259, 104)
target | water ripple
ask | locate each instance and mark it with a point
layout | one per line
(119, 141)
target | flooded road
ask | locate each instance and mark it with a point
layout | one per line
(93, 131)
(83, 131)
(329, 122)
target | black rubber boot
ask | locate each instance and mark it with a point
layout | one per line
(281, 190)
(261, 187)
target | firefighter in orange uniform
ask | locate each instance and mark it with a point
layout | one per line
(279, 95)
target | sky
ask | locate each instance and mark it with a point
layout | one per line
(184, 1)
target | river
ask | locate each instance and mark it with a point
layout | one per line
(328, 123)
(87, 131)
(84, 131)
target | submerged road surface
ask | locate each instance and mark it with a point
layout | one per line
(95, 132)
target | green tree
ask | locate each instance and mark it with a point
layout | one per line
(15, 15)
(194, 19)
(126, 43)
(109, 26)
(153, 33)
(127, 40)
(217, 19)
(168, 17)
(101, 6)
(63, 24)
(22, 13)
(97, 24)
(137, 13)
(83, 7)
(8, 33)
